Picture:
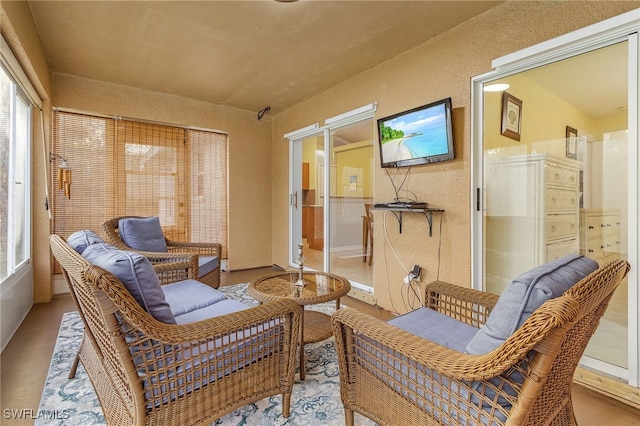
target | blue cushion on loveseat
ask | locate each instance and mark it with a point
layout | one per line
(524, 295)
(136, 274)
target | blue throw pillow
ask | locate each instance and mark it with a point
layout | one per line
(142, 233)
(136, 274)
(80, 240)
(524, 295)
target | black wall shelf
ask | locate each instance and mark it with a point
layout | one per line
(398, 211)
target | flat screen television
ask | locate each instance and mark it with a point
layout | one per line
(420, 135)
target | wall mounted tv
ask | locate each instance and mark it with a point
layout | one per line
(420, 135)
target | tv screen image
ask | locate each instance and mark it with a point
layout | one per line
(421, 135)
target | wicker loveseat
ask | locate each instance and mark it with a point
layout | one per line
(144, 235)
(181, 370)
(399, 377)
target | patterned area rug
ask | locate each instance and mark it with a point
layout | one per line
(316, 400)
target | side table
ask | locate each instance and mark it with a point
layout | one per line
(319, 287)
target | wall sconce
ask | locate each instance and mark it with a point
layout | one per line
(64, 174)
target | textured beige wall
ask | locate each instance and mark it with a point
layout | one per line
(436, 69)
(250, 207)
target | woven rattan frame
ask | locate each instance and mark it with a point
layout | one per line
(167, 385)
(396, 378)
(111, 228)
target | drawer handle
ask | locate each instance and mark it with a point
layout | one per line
(557, 176)
(572, 178)
(554, 228)
(573, 226)
(590, 250)
(591, 226)
(573, 201)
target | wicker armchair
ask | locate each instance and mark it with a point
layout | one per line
(148, 372)
(397, 378)
(212, 278)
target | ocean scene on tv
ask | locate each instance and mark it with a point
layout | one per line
(418, 134)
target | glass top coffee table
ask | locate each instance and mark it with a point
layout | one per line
(319, 287)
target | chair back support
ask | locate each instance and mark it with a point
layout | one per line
(117, 385)
(592, 296)
(148, 372)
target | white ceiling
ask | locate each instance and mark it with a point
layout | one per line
(244, 54)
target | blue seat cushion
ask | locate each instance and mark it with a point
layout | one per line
(207, 264)
(142, 233)
(136, 274)
(80, 240)
(524, 295)
(190, 295)
(436, 327)
(222, 307)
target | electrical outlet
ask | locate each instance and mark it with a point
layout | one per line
(416, 272)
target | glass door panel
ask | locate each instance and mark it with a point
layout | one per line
(351, 189)
(555, 177)
(311, 199)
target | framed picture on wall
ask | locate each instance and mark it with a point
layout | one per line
(571, 135)
(511, 116)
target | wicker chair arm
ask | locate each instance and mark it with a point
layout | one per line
(203, 249)
(205, 330)
(447, 362)
(176, 268)
(464, 304)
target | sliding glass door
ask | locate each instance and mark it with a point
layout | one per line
(555, 157)
(331, 184)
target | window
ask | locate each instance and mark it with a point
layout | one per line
(15, 143)
(126, 167)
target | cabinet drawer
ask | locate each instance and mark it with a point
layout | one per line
(557, 250)
(603, 225)
(595, 226)
(611, 244)
(570, 178)
(611, 224)
(561, 226)
(610, 258)
(554, 175)
(561, 199)
(595, 248)
(558, 175)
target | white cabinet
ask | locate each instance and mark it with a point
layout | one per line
(600, 234)
(531, 214)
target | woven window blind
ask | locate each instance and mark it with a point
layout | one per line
(124, 167)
